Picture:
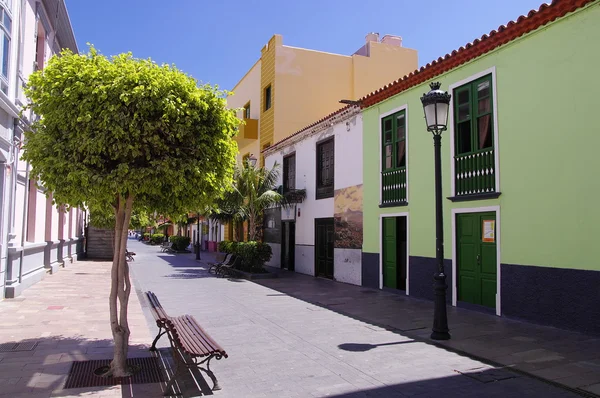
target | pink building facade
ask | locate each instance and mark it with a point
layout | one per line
(36, 237)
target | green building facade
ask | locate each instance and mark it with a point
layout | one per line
(520, 164)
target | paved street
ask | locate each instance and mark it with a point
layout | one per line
(292, 337)
(64, 318)
(295, 336)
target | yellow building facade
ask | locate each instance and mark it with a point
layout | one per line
(289, 88)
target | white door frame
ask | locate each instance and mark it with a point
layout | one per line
(482, 209)
(381, 217)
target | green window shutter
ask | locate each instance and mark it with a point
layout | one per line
(393, 158)
(474, 138)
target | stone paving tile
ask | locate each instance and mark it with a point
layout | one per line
(287, 337)
(67, 314)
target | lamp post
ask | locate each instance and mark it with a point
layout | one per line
(198, 238)
(435, 105)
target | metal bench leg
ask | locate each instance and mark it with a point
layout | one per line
(210, 374)
(158, 336)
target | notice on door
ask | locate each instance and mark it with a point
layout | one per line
(488, 231)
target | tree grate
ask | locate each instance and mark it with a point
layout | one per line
(82, 373)
(16, 347)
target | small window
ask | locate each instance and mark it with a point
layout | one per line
(325, 169)
(268, 98)
(474, 117)
(289, 173)
(394, 141)
(247, 111)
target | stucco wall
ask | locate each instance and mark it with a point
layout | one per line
(547, 152)
(347, 173)
(248, 90)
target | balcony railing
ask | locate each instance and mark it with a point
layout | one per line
(475, 173)
(393, 186)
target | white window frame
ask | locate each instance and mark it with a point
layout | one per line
(451, 88)
(381, 117)
(381, 217)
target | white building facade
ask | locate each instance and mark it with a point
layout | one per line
(321, 170)
(36, 237)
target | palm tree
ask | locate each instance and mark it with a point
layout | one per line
(252, 192)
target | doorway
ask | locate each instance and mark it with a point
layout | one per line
(288, 244)
(324, 235)
(394, 254)
(476, 258)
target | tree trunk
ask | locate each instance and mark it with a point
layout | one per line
(251, 228)
(120, 290)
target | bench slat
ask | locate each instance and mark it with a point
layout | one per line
(193, 339)
(156, 308)
(185, 340)
(198, 336)
(214, 346)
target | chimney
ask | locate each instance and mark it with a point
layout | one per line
(392, 40)
(372, 37)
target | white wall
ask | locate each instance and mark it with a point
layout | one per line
(347, 172)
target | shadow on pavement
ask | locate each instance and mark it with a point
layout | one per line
(360, 347)
(494, 383)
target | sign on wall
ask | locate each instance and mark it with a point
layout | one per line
(488, 231)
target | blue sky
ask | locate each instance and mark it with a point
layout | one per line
(217, 41)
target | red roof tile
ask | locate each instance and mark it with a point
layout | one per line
(488, 42)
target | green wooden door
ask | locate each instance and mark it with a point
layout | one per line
(390, 253)
(476, 258)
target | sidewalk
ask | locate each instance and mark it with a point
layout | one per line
(558, 356)
(66, 314)
(299, 336)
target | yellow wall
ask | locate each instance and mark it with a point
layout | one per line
(307, 85)
(385, 64)
(248, 90)
(267, 77)
(310, 85)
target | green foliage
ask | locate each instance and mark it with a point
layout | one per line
(126, 126)
(252, 192)
(157, 239)
(146, 235)
(254, 254)
(227, 246)
(180, 243)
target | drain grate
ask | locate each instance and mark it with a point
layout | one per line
(487, 375)
(16, 347)
(82, 373)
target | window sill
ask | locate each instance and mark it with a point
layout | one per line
(477, 196)
(324, 196)
(394, 204)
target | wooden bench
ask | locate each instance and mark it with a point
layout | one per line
(191, 345)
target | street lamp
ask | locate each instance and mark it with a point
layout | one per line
(252, 160)
(435, 105)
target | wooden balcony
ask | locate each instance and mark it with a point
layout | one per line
(393, 187)
(475, 173)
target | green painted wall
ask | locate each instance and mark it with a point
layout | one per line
(549, 148)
